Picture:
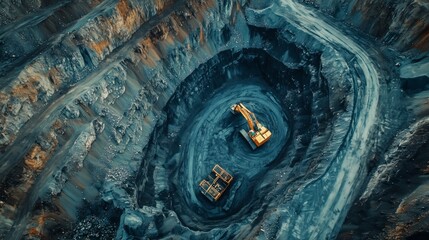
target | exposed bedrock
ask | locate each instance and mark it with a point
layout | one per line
(403, 25)
(113, 111)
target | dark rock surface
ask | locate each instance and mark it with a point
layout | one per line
(112, 112)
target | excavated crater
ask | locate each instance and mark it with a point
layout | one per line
(199, 131)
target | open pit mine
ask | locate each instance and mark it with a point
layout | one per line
(210, 119)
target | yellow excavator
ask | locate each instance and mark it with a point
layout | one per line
(258, 134)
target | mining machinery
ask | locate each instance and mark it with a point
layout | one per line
(216, 183)
(257, 134)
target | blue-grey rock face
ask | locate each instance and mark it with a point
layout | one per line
(113, 111)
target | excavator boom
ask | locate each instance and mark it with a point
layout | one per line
(258, 134)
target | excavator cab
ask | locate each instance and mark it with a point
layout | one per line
(258, 134)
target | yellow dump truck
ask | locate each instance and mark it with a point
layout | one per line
(216, 183)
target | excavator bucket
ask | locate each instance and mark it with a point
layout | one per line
(232, 109)
(248, 139)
